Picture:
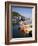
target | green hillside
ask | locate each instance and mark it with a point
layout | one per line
(15, 14)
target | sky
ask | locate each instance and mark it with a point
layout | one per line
(26, 12)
